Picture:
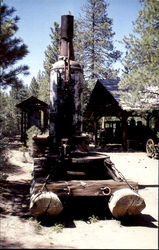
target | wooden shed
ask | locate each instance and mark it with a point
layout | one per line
(33, 112)
(104, 102)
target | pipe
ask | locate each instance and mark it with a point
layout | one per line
(66, 43)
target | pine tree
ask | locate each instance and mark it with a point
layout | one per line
(52, 51)
(93, 41)
(11, 115)
(43, 82)
(141, 78)
(3, 104)
(12, 49)
(51, 56)
(34, 88)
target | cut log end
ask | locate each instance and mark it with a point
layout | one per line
(45, 203)
(126, 202)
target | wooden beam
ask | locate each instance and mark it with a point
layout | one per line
(83, 187)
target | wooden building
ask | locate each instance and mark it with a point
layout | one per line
(33, 112)
(119, 124)
(104, 102)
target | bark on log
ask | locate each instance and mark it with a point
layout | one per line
(126, 202)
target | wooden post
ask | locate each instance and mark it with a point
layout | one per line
(22, 132)
(45, 119)
(96, 131)
(25, 122)
(103, 122)
(125, 130)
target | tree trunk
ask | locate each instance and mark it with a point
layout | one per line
(125, 202)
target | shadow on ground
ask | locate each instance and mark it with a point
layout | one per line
(11, 169)
(148, 185)
(79, 208)
(7, 244)
(141, 220)
(15, 198)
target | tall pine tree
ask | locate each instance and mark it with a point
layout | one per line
(94, 41)
(141, 77)
(12, 49)
(11, 115)
(52, 51)
(3, 109)
(34, 88)
(51, 56)
(43, 82)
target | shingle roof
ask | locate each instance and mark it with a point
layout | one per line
(104, 99)
(111, 85)
(32, 102)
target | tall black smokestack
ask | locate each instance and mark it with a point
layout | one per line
(66, 46)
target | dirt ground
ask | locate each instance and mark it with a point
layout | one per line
(84, 224)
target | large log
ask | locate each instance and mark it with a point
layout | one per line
(126, 202)
(84, 187)
(45, 203)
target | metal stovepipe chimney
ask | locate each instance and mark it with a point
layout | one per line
(66, 45)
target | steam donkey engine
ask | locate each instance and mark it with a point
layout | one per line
(63, 164)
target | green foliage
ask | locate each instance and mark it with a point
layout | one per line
(3, 110)
(23, 149)
(141, 77)
(87, 89)
(52, 51)
(43, 82)
(3, 176)
(58, 228)
(12, 49)
(9, 114)
(93, 41)
(34, 88)
(93, 45)
(93, 219)
(51, 56)
(3, 156)
(32, 131)
(36, 224)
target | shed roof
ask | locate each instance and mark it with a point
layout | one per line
(111, 85)
(104, 100)
(32, 103)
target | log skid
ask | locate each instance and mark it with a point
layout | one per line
(84, 187)
(45, 203)
(126, 202)
(89, 175)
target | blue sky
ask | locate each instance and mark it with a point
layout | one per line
(37, 16)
